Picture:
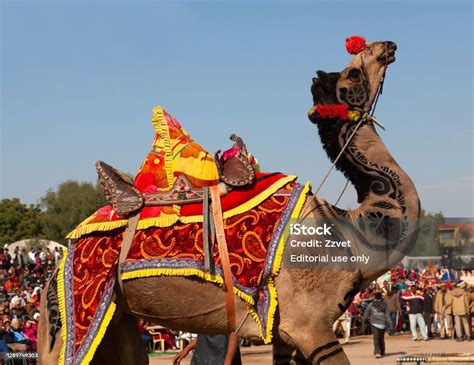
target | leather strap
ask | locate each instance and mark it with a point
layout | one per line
(127, 243)
(205, 230)
(224, 255)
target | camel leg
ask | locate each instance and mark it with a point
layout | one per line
(316, 341)
(309, 303)
(284, 354)
(49, 337)
(122, 343)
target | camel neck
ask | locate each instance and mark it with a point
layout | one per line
(366, 161)
(383, 188)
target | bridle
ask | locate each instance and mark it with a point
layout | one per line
(381, 82)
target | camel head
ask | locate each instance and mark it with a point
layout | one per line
(357, 85)
(348, 135)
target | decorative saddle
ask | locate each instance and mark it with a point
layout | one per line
(171, 175)
(176, 172)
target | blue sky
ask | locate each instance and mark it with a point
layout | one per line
(79, 80)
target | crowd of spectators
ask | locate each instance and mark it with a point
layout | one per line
(423, 295)
(23, 275)
(427, 297)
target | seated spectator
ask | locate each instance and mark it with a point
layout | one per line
(6, 310)
(20, 340)
(167, 335)
(19, 311)
(30, 329)
(170, 338)
(8, 285)
(35, 297)
(30, 309)
(7, 336)
(4, 336)
(145, 334)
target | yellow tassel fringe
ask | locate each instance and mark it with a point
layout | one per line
(284, 237)
(161, 127)
(267, 337)
(62, 308)
(82, 230)
(100, 334)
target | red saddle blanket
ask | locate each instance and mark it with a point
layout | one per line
(255, 223)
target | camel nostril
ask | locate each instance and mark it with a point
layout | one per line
(391, 45)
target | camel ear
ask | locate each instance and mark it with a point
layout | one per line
(323, 76)
(324, 87)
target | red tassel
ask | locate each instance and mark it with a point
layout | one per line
(355, 44)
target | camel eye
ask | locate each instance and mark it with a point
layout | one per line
(354, 74)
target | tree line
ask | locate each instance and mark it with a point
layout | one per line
(53, 217)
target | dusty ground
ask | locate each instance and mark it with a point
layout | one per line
(359, 351)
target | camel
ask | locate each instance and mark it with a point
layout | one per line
(310, 299)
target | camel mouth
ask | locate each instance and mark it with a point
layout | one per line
(388, 56)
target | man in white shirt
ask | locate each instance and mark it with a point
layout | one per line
(17, 298)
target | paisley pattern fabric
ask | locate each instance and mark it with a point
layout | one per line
(255, 239)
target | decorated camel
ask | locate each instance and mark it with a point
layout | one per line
(168, 276)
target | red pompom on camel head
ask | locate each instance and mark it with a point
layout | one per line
(355, 44)
(357, 85)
